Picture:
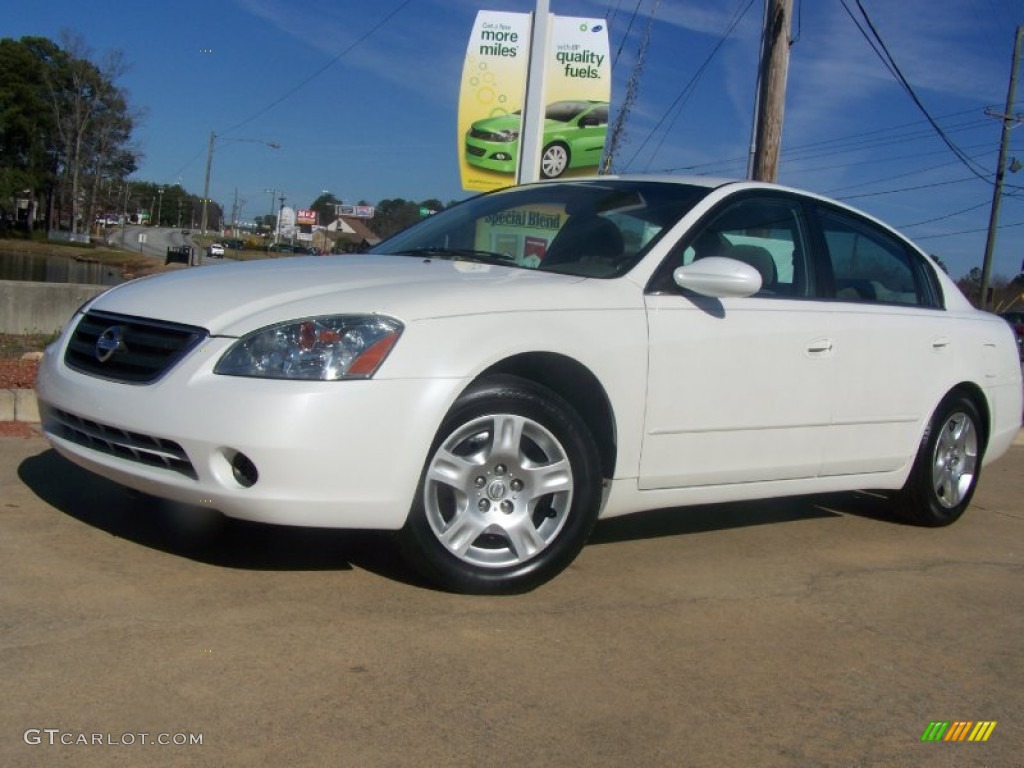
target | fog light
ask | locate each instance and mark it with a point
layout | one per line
(244, 470)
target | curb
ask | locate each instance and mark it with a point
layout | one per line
(21, 405)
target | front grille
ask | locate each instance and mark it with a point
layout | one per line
(475, 151)
(129, 349)
(131, 446)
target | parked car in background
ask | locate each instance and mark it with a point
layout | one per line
(1016, 321)
(216, 251)
(293, 248)
(492, 380)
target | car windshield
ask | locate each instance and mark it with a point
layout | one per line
(564, 111)
(592, 228)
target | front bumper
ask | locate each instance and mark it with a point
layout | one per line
(493, 156)
(338, 454)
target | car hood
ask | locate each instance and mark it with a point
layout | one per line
(498, 124)
(235, 298)
(512, 123)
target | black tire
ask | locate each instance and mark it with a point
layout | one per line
(509, 492)
(948, 464)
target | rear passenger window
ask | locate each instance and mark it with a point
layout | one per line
(870, 265)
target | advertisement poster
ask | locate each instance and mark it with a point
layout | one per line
(494, 90)
(523, 234)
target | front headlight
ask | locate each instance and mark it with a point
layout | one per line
(316, 348)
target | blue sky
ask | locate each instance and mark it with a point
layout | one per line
(367, 110)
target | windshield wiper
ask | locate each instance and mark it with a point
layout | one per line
(466, 254)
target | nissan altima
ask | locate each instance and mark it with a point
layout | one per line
(493, 380)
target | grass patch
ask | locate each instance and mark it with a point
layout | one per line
(15, 345)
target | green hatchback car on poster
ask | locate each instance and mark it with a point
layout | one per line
(574, 133)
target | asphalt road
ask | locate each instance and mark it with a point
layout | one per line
(157, 239)
(808, 632)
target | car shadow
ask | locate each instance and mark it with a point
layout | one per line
(680, 521)
(206, 536)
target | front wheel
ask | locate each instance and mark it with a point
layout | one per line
(510, 491)
(947, 466)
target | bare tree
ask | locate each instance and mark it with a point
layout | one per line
(84, 99)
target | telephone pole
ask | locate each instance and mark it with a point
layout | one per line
(1008, 119)
(771, 91)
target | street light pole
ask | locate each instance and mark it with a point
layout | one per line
(277, 235)
(206, 183)
(209, 164)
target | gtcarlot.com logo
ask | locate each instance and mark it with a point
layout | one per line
(958, 730)
(58, 736)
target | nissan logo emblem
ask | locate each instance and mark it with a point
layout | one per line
(109, 342)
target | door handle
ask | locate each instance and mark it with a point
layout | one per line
(820, 346)
(941, 342)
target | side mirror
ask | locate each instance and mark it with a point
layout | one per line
(719, 277)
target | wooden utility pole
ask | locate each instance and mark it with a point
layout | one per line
(771, 91)
(1008, 121)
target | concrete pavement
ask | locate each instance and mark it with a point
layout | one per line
(804, 632)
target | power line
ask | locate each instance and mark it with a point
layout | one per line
(625, 37)
(882, 51)
(737, 17)
(303, 83)
(853, 141)
(968, 231)
(947, 216)
(873, 160)
(908, 189)
(689, 90)
(914, 172)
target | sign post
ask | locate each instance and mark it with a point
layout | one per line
(531, 140)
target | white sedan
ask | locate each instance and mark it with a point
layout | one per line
(493, 380)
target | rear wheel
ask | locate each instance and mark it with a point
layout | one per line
(509, 493)
(945, 473)
(554, 161)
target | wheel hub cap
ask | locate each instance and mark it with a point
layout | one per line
(498, 491)
(955, 460)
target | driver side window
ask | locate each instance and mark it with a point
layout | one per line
(767, 234)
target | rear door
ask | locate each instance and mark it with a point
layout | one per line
(892, 341)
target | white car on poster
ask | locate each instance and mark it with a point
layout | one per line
(491, 381)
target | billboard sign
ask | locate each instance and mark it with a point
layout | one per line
(305, 216)
(356, 211)
(286, 222)
(578, 89)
